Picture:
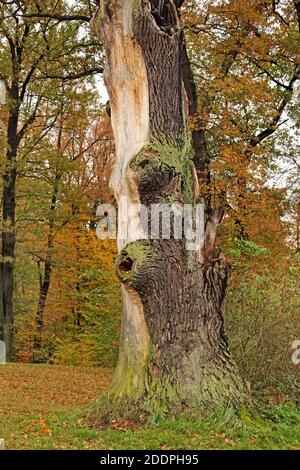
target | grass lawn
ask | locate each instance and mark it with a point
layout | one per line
(41, 408)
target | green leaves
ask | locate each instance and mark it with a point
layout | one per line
(242, 247)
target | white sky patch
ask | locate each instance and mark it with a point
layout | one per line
(98, 78)
(101, 89)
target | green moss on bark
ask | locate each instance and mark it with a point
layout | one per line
(214, 389)
(132, 258)
(166, 399)
(163, 155)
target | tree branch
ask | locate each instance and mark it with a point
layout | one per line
(28, 77)
(77, 76)
(274, 124)
(29, 121)
(270, 76)
(53, 16)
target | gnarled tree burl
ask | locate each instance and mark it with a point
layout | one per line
(173, 353)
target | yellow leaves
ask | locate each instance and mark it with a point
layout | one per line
(41, 426)
(239, 51)
(233, 160)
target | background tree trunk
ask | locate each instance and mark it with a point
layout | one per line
(45, 278)
(8, 224)
(173, 354)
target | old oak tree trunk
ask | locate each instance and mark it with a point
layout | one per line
(173, 353)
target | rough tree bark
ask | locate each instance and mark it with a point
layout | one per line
(173, 354)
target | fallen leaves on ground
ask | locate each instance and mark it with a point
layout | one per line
(27, 389)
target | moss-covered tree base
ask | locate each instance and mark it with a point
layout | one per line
(216, 389)
(148, 409)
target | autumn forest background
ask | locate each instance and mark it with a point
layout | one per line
(65, 299)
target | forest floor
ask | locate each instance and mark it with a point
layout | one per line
(41, 408)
